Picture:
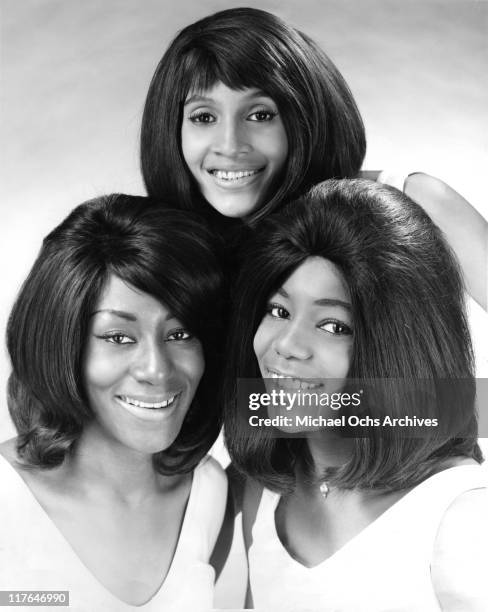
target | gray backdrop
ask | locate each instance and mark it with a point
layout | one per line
(74, 77)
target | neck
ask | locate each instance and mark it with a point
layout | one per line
(328, 450)
(103, 466)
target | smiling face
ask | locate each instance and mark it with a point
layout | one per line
(141, 368)
(234, 144)
(306, 332)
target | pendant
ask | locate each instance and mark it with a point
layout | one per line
(324, 489)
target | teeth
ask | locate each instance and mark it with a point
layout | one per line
(228, 175)
(134, 402)
(297, 384)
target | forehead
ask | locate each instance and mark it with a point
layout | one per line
(316, 279)
(118, 295)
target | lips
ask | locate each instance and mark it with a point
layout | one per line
(288, 381)
(235, 177)
(154, 404)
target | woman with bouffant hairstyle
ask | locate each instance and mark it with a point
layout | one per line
(354, 283)
(114, 342)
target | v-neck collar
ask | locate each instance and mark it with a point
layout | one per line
(56, 535)
(371, 527)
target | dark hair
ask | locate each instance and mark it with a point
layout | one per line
(168, 254)
(409, 323)
(246, 47)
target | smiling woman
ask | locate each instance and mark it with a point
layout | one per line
(114, 342)
(235, 145)
(237, 92)
(353, 285)
(309, 315)
(139, 358)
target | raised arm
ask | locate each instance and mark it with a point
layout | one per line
(465, 229)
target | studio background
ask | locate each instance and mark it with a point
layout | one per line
(74, 76)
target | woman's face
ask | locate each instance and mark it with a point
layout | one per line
(234, 144)
(141, 368)
(306, 332)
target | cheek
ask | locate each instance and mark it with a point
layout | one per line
(262, 340)
(101, 369)
(275, 146)
(190, 365)
(192, 145)
(336, 359)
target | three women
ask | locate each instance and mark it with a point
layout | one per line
(243, 113)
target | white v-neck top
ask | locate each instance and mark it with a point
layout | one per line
(385, 568)
(34, 555)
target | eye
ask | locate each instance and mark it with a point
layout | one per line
(179, 335)
(262, 115)
(336, 327)
(117, 338)
(277, 311)
(202, 117)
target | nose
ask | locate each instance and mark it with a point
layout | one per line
(231, 138)
(291, 343)
(152, 364)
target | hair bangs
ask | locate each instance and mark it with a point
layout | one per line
(167, 254)
(203, 68)
(175, 286)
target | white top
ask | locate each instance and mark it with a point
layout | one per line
(34, 555)
(386, 567)
(477, 316)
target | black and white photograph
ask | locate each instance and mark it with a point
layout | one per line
(244, 315)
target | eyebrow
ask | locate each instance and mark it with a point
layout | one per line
(202, 98)
(128, 316)
(321, 301)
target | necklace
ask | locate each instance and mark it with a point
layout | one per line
(324, 489)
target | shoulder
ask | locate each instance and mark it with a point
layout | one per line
(210, 482)
(459, 556)
(371, 175)
(466, 513)
(209, 501)
(210, 470)
(10, 467)
(15, 495)
(8, 450)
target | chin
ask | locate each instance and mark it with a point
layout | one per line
(150, 445)
(232, 209)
